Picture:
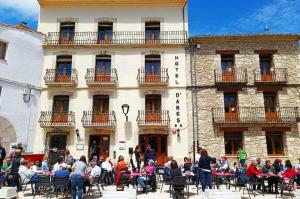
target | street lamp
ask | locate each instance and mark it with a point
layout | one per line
(125, 109)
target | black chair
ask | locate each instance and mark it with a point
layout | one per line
(288, 185)
(95, 182)
(61, 184)
(45, 185)
(255, 182)
(178, 183)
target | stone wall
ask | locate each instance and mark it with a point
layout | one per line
(206, 60)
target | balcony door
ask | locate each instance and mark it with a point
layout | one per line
(231, 104)
(103, 68)
(228, 68)
(63, 71)
(100, 108)
(270, 106)
(60, 109)
(153, 108)
(105, 32)
(67, 32)
(152, 32)
(158, 143)
(152, 68)
(265, 62)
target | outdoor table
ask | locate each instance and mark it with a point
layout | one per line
(189, 176)
(221, 174)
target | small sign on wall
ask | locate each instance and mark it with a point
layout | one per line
(122, 145)
(80, 146)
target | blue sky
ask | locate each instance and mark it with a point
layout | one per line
(205, 16)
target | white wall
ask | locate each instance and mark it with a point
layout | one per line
(23, 65)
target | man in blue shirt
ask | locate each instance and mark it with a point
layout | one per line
(61, 173)
(149, 154)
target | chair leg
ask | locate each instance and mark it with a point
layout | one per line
(162, 184)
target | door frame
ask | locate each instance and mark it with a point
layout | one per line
(99, 140)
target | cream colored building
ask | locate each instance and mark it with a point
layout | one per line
(248, 95)
(100, 55)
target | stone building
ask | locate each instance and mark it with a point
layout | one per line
(21, 58)
(247, 89)
(102, 55)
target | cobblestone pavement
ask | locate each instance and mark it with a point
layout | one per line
(159, 195)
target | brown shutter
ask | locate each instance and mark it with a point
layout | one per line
(2, 50)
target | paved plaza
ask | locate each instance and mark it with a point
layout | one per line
(161, 195)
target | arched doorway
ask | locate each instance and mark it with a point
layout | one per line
(7, 133)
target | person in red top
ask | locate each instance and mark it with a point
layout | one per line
(290, 172)
(252, 172)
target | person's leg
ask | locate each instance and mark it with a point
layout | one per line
(34, 180)
(80, 186)
(141, 181)
(203, 180)
(208, 176)
(74, 186)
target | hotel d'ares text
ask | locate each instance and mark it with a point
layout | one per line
(123, 73)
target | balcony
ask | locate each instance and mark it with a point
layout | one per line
(160, 78)
(149, 119)
(97, 120)
(274, 76)
(107, 79)
(246, 115)
(50, 119)
(53, 77)
(118, 38)
(234, 77)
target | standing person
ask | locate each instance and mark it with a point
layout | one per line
(242, 155)
(94, 149)
(77, 177)
(15, 169)
(2, 155)
(68, 158)
(205, 169)
(45, 166)
(12, 151)
(149, 154)
(135, 159)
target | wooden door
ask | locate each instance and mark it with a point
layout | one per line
(63, 71)
(100, 109)
(230, 104)
(265, 68)
(60, 109)
(152, 68)
(158, 143)
(152, 32)
(153, 108)
(105, 32)
(58, 141)
(103, 68)
(103, 142)
(270, 107)
(67, 33)
(228, 68)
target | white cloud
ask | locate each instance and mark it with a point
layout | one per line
(27, 8)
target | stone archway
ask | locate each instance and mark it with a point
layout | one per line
(7, 133)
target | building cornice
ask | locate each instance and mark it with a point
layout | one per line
(108, 2)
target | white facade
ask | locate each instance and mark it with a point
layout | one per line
(19, 71)
(127, 59)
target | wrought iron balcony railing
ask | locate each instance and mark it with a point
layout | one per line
(57, 119)
(275, 75)
(92, 119)
(54, 77)
(236, 76)
(255, 115)
(160, 77)
(94, 77)
(150, 118)
(117, 38)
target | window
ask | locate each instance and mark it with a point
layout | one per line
(61, 104)
(105, 31)
(227, 63)
(275, 143)
(265, 62)
(270, 102)
(63, 71)
(152, 31)
(230, 102)
(103, 64)
(101, 103)
(3, 47)
(233, 142)
(67, 32)
(153, 103)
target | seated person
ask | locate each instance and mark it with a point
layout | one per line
(5, 170)
(45, 167)
(107, 174)
(224, 166)
(175, 171)
(121, 168)
(95, 172)
(107, 165)
(297, 179)
(167, 170)
(187, 164)
(147, 174)
(60, 162)
(289, 172)
(252, 172)
(121, 165)
(62, 172)
(37, 167)
(268, 169)
(27, 175)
